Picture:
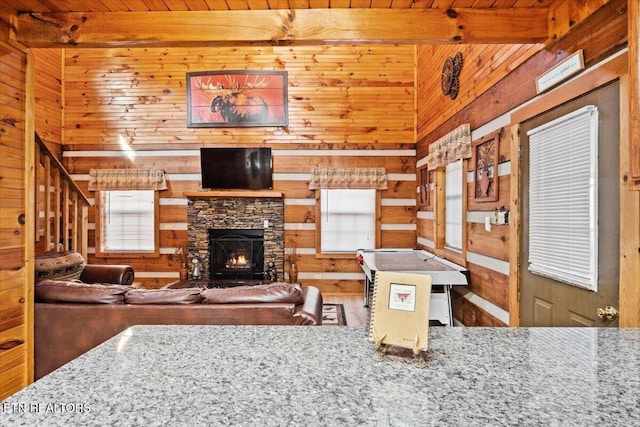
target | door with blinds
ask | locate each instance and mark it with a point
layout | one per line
(570, 213)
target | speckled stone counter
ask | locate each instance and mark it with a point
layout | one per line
(326, 376)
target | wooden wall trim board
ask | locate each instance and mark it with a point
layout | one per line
(515, 221)
(629, 222)
(30, 209)
(232, 193)
(634, 93)
(290, 27)
(598, 75)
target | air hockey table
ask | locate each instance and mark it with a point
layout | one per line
(444, 275)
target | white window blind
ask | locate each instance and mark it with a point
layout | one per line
(563, 198)
(453, 206)
(128, 220)
(348, 219)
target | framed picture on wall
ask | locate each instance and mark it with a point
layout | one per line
(237, 98)
(485, 160)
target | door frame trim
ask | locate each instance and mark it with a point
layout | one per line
(599, 75)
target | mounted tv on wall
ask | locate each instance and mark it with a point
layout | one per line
(236, 168)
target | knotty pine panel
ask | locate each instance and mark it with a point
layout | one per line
(494, 243)
(397, 239)
(425, 229)
(483, 66)
(48, 99)
(169, 239)
(470, 314)
(300, 213)
(398, 214)
(299, 238)
(504, 188)
(328, 265)
(15, 286)
(337, 94)
(489, 284)
(330, 286)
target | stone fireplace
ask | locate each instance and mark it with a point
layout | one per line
(249, 226)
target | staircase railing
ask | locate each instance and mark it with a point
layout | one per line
(62, 208)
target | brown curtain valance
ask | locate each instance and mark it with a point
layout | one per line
(453, 146)
(127, 179)
(375, 178)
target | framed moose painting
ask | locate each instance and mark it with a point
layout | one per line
(237, 98)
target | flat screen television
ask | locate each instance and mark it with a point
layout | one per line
(236, 168)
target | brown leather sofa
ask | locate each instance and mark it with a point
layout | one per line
(72, 318)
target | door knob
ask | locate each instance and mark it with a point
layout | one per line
(608, 313)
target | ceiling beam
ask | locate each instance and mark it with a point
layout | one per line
(283, 27)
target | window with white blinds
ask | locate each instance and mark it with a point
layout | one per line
(563, 199)
(348, 219)
(453, 206)
(127, 221)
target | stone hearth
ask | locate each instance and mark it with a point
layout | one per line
(236, 210)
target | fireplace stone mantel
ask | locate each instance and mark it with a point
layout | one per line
(232, 193)
(235, 209)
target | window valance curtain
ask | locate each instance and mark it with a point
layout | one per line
(127, 179)
(375, 178)
(453, 146)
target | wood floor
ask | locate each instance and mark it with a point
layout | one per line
(355, 311)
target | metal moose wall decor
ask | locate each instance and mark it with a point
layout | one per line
(485, 154)
(237, 99)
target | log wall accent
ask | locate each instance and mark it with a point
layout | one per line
(349, 106)
(15, 300)
(302, 26)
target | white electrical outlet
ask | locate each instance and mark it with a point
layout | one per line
(266, 223)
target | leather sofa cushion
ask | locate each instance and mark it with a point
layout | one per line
(77, 292)
(272, 292)
(163, 296)
(65, 265)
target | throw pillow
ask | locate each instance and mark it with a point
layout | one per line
(66, 265)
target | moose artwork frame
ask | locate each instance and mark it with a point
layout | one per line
(237, 98)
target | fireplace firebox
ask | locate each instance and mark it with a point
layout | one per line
(236, 254)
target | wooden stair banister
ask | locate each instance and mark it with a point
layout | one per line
(62, 219)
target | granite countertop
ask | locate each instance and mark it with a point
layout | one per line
(326, 376)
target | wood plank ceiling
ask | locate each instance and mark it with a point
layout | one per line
(48, 6)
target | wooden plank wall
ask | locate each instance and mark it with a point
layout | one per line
(483, 66)
(48, 98)
(349, 106)
(485, 302)
(487, 96)
(14, 286)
